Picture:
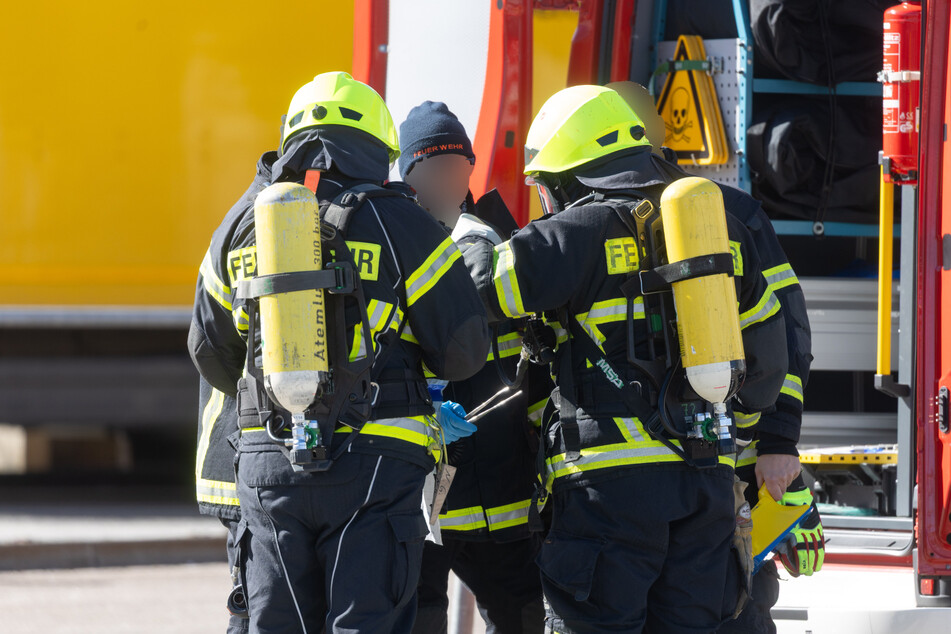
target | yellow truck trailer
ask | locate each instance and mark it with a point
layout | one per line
(127, 130)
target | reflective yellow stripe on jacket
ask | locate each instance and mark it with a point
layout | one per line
(638, 448)
(416, 430)
(535, 411)
(780, 277)
(747, 456)
(746, 420)
(382, 316)
(792, 386)
(431, 271)
(506, 282)
(765, 308)
(510, 344)
(211, 491)
(606, 312)
(218, 290)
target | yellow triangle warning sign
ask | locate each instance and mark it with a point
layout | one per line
(688, 104)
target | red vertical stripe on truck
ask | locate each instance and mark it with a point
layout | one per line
(371, 23)
(506, 107)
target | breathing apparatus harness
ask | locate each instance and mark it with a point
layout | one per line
(353, 387)
(651, 404)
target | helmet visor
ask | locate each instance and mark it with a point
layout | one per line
(549, 204)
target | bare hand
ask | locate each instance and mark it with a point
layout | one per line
(777, 471)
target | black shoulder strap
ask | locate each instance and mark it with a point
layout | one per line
(341, 209)
(339, 214)
(567, 399)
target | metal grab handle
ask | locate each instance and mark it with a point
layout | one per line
(886, 235)
(886, 220)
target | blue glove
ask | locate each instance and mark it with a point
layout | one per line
(452, 419)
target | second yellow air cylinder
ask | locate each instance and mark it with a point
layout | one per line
(708, 322)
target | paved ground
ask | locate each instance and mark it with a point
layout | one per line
(112, 561)
(101, 561)
(185, 599)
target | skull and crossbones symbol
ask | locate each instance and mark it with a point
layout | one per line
(680, 101)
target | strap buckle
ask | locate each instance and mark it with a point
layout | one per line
(343, 276)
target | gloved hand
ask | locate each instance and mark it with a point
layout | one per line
(804, 549)
(452, 419)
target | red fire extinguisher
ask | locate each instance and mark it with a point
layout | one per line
(901, 79)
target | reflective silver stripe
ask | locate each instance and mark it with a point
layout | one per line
(240, 317)
(431, 270)
(616, 457)
(780, 277)
(408, 334)
(377, 311)
(508, 345)
(213, 284)
(746, 420)
(535, 411)
(413, 430)
(761, 313)
(508, 515)
(748, 455)
(468, 519)
(396, 318)
(633, 427)
(209, 417)
(792, 386)
(359, 348)
(215, 492)
(506, 282)
(608, 311)
(614, 310)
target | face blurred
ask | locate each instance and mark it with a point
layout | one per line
(441, 183)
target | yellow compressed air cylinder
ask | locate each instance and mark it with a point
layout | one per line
(293, 325)
(708, 322)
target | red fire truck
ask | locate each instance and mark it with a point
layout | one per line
(877, 451)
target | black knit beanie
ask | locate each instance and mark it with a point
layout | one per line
(431, 129)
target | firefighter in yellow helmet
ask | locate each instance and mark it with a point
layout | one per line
(641, 481)
(768, 440)
(328, 529)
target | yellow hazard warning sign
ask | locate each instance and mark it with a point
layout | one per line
(688, 104)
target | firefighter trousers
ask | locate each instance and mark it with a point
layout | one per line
(755, 617)
(337, 551)
(646, 550)
(502, 576)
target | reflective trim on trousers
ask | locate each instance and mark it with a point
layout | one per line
(467, 519)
